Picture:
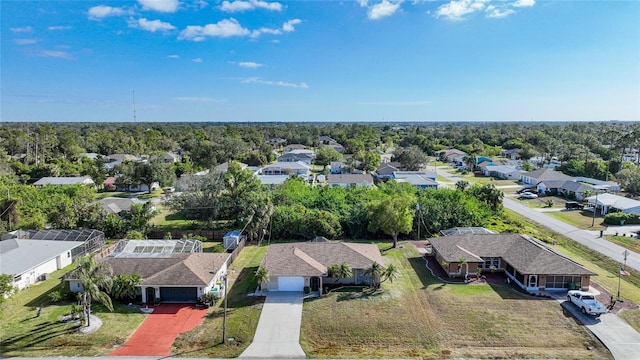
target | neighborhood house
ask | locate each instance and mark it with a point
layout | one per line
(528, 262)
(294, 266)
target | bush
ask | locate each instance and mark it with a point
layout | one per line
(208, 299)
(619, 218)
(55, 296)
(307, 289)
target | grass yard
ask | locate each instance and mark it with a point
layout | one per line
(630, 243)
(581, 219)
(25, 335)
(169, 220)
(419, 316)
(242, 315)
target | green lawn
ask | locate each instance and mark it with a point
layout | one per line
(169, 220)
(630, 243)
(581, 219)
(242, 315)
(419, 316)
(25, 335)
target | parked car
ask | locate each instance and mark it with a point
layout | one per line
(573, 205)
(524, 189)
(586, 302)
(528, 195)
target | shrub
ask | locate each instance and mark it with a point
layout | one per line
(208, 299)
(55, 296)
(307, 289)
(618, 218)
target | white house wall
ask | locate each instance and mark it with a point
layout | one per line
(32, 275)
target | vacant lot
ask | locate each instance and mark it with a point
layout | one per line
(24, 334)
(419, 316)
(581, 219)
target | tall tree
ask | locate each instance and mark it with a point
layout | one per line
(124, 287)
(392, 216)
(95, 279)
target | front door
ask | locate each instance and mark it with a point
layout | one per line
(151, 294)
(533, 281)
(314, 283)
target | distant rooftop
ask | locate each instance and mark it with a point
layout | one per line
(155, 248)
(466, 230)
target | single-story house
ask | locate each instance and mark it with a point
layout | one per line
(386, 170)
(305, 156)
(451, 155)
(224, 167)
(171, 270)
(287, 168)
(335, 146)
(346, 180)
(276, 141)
(528, 262)
(31, 255)
(293, 266)
(505, 172)
(567, 188)
(420, 179)
(536, 176)
(609, 185)
(117, 205)
(272, 180)
(291, 147)
(607, 202)
(512, 154)
(328, 140)
(64, 180)
(114, 160)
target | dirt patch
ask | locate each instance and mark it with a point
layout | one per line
(606, 299)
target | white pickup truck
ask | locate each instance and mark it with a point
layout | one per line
(586, 302)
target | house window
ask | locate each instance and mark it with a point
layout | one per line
(496, 262)
(17, 278)
(68, 254)
(487, 263)
(562, 282)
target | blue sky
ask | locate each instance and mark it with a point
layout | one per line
(375, 60)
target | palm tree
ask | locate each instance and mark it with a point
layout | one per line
(125, 286)
(94, 277)
(262, 276)
(375, 273)
(463, 261)
(341, 271)
(390, 273)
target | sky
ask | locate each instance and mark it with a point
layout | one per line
(333, 61)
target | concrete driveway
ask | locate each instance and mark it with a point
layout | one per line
(621, 339)
(278, 332)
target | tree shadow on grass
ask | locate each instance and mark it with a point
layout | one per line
(41, 333)
(347, 294)
(245, 283)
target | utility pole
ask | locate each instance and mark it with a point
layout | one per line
(625, 253)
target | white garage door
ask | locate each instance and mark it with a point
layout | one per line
(290, 283)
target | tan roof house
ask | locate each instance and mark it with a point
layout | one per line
(528, 262)
(294, 266)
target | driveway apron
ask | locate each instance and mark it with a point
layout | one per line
(278, 332)
(157, 332)
(620, 338)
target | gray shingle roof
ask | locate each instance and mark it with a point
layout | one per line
(313, 258)
(547, 174)
(526, 254)
(195, 269)
(349, 179)
(64, 180)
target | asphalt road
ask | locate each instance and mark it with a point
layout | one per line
(586, 238)
(583, 237)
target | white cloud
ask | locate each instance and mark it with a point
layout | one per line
(25, 29)
(55, 28)
(524, 3)
(103, 11)
(255, 80)
(197, 60)
(497, 13)
(200, 99)
(250, 64)
(458, 9)
(383, 9)
(289, 25)
(25, 41)
(166, 6)
(240, 5)
(223, 28)
(174, 56)
(56, 54)
(151, 25)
